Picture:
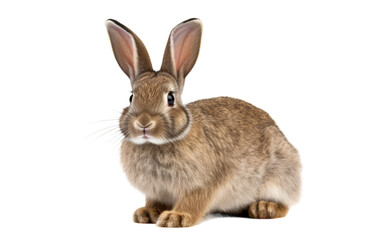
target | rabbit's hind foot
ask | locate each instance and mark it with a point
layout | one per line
(267, 210)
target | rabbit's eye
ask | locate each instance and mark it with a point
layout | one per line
(171, 99)
(131, 98)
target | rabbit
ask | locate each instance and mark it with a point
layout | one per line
(218, 155)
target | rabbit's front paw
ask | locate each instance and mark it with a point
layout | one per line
(146, 215)
(265, 209)
(174, 219)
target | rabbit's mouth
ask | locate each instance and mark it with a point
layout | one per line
(145, 138)
(144, 132)
(144, 135)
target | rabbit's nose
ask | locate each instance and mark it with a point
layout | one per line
(144, 126)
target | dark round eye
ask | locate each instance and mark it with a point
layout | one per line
(131, 98)
(170, 99)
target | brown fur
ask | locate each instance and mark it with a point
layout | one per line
(213, 155)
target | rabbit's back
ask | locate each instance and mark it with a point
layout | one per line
(263, 164)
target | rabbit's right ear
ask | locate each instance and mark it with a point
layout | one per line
(129, 51)
(182, 49)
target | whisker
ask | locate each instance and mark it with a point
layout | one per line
(106, 120)
(109, 131)
(103, 129)
(117, 111)
(118, 140)
(114, 143)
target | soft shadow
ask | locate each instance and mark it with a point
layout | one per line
(243, 214)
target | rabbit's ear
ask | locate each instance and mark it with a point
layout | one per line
(130, 52)
(182, 49)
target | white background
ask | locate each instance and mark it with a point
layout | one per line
(314, 66)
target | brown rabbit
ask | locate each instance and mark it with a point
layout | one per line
(214, 155)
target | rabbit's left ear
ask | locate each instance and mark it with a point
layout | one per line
(182, 49)
(129, 51)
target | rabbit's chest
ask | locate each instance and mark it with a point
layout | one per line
(158, 173)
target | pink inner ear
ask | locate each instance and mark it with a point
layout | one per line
(183, 45)
(125, 49)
